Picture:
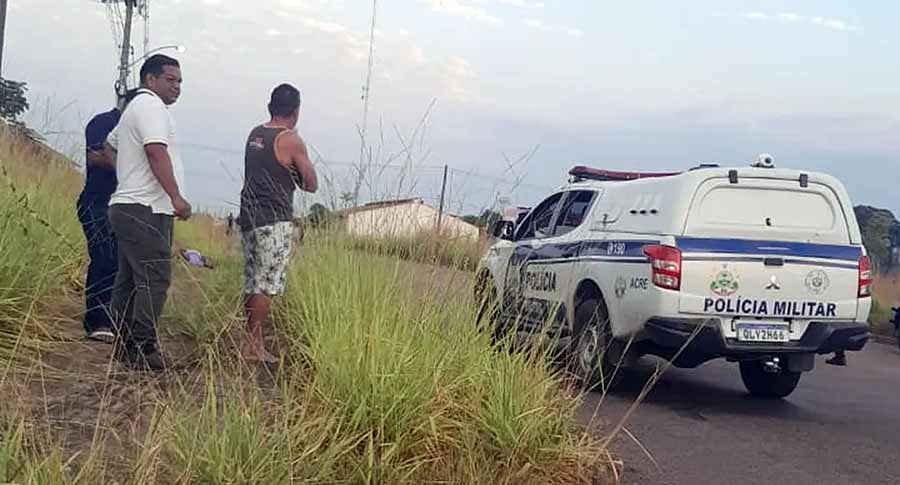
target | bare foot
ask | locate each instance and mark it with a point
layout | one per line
(257, 353)
(267, 357)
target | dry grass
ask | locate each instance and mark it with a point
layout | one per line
(373, 388)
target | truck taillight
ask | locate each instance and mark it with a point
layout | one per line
(665, 263)
(865, 277)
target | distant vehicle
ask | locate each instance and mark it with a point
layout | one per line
(896, 322)
(758, 265)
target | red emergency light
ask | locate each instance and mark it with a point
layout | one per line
(582, 172)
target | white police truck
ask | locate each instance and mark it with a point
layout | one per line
(758, 265)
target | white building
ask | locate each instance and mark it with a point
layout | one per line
(403, 218)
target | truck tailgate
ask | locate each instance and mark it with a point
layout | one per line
(768, 279)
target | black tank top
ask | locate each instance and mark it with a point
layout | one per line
(268, 193)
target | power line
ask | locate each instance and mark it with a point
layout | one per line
(433, 169)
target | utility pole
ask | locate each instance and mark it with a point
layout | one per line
(2, 32)
(126, 47)
(441, 208)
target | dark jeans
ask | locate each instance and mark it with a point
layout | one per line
(101, 273)
(145, 271)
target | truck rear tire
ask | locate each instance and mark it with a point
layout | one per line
(768, 385)
(588, 356)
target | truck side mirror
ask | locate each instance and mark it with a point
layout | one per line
(502, 229)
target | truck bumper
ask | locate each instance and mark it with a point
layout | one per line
(707, 340)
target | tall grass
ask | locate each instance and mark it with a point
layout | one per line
(387, 379)
(41, 248)
(417, 379)
(428, 248)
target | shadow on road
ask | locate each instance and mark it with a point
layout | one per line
(689, 395)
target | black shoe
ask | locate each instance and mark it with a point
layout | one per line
(150, 360)
(124, 353)
(838, 359)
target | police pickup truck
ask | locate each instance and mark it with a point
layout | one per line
(758, 265)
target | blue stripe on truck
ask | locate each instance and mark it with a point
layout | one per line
(772, 248)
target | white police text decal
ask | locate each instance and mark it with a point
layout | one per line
(763, 308)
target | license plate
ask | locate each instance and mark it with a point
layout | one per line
(763, 332)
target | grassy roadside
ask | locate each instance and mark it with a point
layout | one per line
(384, 379)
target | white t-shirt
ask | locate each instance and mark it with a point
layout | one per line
(146, 120)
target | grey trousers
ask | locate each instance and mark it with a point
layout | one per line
(145, 272)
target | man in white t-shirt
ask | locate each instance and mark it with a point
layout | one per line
(143, 209)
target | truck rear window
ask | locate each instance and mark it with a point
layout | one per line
(767, 207)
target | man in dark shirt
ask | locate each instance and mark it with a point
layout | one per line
(100, 183)
(275, 162)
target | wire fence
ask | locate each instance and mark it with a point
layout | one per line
(215, 177)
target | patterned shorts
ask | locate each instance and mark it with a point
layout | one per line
(267, 252)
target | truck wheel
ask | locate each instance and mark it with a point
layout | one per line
(766, 384)
(588, 360)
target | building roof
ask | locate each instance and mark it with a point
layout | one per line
(391, 203)
(378, 205)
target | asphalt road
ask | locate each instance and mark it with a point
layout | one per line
(841, 425)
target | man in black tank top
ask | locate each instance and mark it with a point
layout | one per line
(275, 162)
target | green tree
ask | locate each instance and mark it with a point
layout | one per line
(488, 217)
(14, 103)
(318, 215)
(881, 235)
(347, 198)
(12, 99)
(472, 219)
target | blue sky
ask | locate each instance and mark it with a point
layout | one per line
(629, 85)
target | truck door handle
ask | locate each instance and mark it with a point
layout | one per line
(774, 261)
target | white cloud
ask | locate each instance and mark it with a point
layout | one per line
(835, 24)
(457, 74)
(297, 4)
(793, 18)
(790, 17)
(460, 68)
(840, 25)
(274, 33)
(515, 3)
(355, 44)
(454, 7)
(417, 55)
(539, 24)
(329, 27)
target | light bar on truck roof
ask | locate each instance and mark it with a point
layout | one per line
(581, 172)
